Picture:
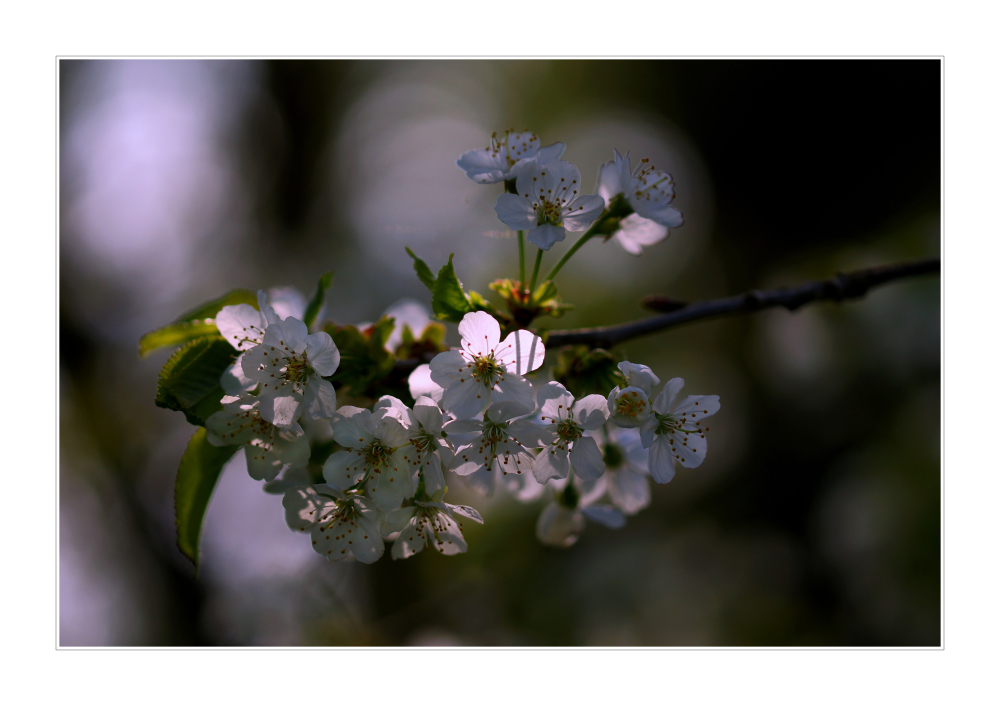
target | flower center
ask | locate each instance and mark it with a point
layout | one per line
(486, 369)
(377, 456)
(630, 405)
(567, 431)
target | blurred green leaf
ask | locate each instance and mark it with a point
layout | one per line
(449, 300)
(316, 303)
(189, 381)
(197, 476)
(423, 271)
(364, 361)
(583, 371)
(197, 322)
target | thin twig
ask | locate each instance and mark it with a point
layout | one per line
(842, 286)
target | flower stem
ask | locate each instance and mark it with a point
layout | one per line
(591, 232)
(520, 252)
(534, 274)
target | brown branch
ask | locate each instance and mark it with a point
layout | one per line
(850, 285)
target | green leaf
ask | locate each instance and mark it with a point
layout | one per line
(197, 476)
(546, 291)
(197, 322)
(423, 271)
(586, 371)
(448, 299)
(312, 311)
(189, 381)
(364, 361)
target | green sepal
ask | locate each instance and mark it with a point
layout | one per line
(423, 271)
(199, 471)
(316, 303)
(448, 300)
(189, 381)
(197, 322)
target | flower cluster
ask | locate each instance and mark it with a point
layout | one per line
(355, 477)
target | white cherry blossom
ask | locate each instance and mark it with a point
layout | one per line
(484, 370)
(548, 203)
(342, 526)
(640, 376)
(290, 364)
(563, 520)
(421, 384)
(268, 448)
(431, 451)
(564, 444)
(506, 157)
(377, 456)
(628, 474)
(649, 191)
(431, 522)
(243, 327)
(502, 442)
(677, 432)
(629, 406)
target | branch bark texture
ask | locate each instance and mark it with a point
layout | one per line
(846, 285)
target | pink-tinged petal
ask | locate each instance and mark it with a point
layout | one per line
(582, 212)
(343, 469)
(531, 435)
(322, 353)
(280, 409)
(555, 402)
(365, 541)
(661, 460)
(410, 541)
(591, 412)
(449, 540)
(428, 414)
(546, 236)
(466, 399)
(432, 474)
(636, 232)
(647, 432)
(241, 325)
(587, 459)
(480, 333)
(421, 384)
(516, 211)
(266, 310)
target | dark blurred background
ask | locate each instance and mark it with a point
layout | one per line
(815, 519)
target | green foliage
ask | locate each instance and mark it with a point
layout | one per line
(431, 341)
(189, 382)
(316, 303)
(524, 306)
(423, 271)
(197, 475)
(364, 361)
(195, 323)
(448, 299)
(586, 372)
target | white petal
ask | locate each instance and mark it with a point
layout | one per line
(690, 448)
(466, 399)
(605, 515)
(640, 376)
(695, 407)
(582, 212)
(551, 463)
(661, 460)
(554, 401)
(531, 435)
(365, 541)
(282, 410)
(241, 325)
(516, 212)
(391, 432)
(629, 407)
(521, 352)
(396, 520)
(636, 232)
(513, 396)
(351, 427)
(586, 459)
(304, 507)
(448, 540)
(523, 486)
(591, 412)
(234, 380)
(286, 301)
(482, 481)
(288, 336)
(266, 310)
(320, 399)
(421, 384)
(559, 526)
(480, 333)
(545, 236)
(608, 183)
(629, 490)
(428, 414)
(665, 400)
(433, 477)
(406, 312)
(466, 511)
(322, 353)
(343, 469)
(483, 166)
(667, 216)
